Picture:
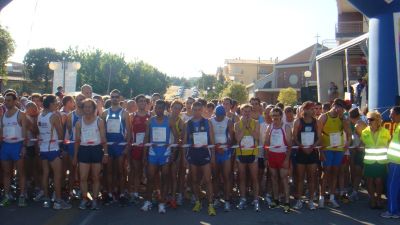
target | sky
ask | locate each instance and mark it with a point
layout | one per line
(179, 37)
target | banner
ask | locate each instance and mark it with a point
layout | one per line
(396, 17)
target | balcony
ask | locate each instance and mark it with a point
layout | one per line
(349, 29)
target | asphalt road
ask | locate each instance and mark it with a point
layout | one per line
(352, 213)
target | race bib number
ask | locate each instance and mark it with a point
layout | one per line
(335, 139)
(159, 134)
(220, 139)
(10, 132)
(113, 126)
(89, 135)
(307, 138)
(200, 138)
(276, 138)
(247, 142)
(139, 139)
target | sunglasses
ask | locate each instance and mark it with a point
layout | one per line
(371, 119)
(115, 96)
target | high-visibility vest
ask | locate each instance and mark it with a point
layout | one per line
(375, 152)
(393, 153)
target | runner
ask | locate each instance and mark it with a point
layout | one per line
(279, 138)
(13, 148)
(223, 133)
(158, 157)
(177, 180)
(87, 91)
(393, 184)
(188, 114)
(32, 160)
(247, 132)
(139, 121)
(307, 135)
(199, 132)
(72, 118)
(334, 125)
(375, 139)
(118, 130)
(90, 151)
(50, 129)
(357, 153)
(262, 162)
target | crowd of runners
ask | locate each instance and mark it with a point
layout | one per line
(150, 152)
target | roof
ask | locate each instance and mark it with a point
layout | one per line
(344, 6)
(249, 61)
(305, 56)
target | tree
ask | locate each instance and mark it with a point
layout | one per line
(236, 91)
(7, 47)
(206, 81)
(37, 67)
(288, 96)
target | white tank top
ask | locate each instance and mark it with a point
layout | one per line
(220, 130)
(90, 133)
(185, 117)
(12, 131)
(277, 138)
(47, 133)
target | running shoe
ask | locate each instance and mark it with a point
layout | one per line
(39, 196)
(227, 207)
(242, 204)
(211, 210)
(274, 204)
(333, 203)
(321, 203)
(161, 208)
(197, 207)
(83, 204)
(61, 204)
(22, 201)
(286, 208)
(179, 199)
(298, 205)
(95, 205)
(256, 206)
(46, 202)
(146, 206)
(217, 203)
(5, 202)
(172, 203)
(311, 205)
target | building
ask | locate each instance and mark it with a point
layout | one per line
(348, 62)
(246, 71)
(288, 73)
(15, 77)
(351, 23)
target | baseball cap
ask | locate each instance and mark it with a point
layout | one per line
(220, 111)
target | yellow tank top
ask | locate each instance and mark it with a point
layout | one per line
(332, 133)
(247, 140)
(177, 126)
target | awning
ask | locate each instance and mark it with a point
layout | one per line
(353, 47)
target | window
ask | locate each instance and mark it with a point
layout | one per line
(268, 84)
(237, 70)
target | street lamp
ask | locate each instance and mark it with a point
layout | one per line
(307, 75)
